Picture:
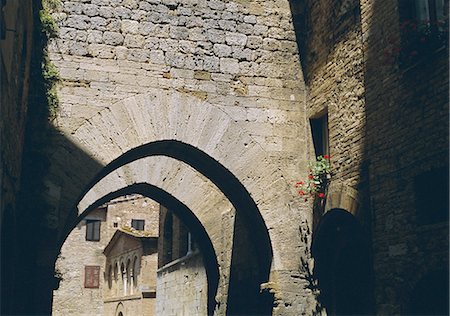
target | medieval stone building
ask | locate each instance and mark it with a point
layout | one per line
(109, 233)
(213, 109)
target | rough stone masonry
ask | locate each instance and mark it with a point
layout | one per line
(223, 76)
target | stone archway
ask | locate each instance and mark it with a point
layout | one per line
(163, 125)
(188, 218)
(205, 173)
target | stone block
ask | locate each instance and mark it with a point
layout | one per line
(101, 50)
(215, 36)
(134, 41)
(90, 9)
(229, 65)
(236, 39)
(78, 49)
(98, 23)
(112, 38)
(157, 57)
(138, 55)
(211, 63)
(202, 75)
(106, 12)
(129, 26)
(222, 50)
(79, 22)
(94, 37)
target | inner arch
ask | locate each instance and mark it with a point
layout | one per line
(227, 183)
(188, 218)
(254, 234)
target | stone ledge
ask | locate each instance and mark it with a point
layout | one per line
(177, 262)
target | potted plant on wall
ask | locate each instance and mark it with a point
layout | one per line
(316, 184)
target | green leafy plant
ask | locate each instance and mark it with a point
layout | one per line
(319, 175)
(49, 25)
(50, 73)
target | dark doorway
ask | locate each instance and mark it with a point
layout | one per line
(342, 264)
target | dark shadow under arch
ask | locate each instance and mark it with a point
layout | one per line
(257, 237)
(188, 218)
(342, 264)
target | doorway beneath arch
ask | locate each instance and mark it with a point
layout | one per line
(342, 264)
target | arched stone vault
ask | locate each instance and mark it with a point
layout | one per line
(171, 116)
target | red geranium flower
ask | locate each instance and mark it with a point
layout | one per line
(326, 156)
(321, 195)
(301, 192)
(311, 176)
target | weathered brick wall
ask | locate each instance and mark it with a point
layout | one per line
(71, 296)
(182, 288)
(335, 71)
(407, 134)
(387, 124)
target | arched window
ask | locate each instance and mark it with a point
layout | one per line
(135, 272)
(124, 279)
(109, 276)
(116, 277)
(129, 286)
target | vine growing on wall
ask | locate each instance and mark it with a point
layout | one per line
(49, 71)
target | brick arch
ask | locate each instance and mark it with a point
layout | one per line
(174, 177)
(343, 197)
(222, 178)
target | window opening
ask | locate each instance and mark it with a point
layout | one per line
(138, 224)
(93, 230)
(319, 129)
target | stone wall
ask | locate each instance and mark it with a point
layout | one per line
(407, 136)
(16, 40)
(72, 297)
(182, 287)
(387, 126)
(335, 71)
(221, 76)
